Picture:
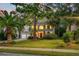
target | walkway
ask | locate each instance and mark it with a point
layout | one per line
(42, 49)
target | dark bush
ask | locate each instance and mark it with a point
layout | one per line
(14, 36)
(59, 31)
(76, 34)
(3, 35)
(50, 36)
(77, 41)
(30, 37)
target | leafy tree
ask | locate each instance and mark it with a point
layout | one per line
(20, 24)
(63, 11)
(55, 12)
(33, 12)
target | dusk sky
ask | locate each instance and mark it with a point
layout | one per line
(7, 6)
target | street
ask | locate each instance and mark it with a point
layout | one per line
(14, 54)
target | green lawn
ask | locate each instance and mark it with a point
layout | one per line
(39, 43)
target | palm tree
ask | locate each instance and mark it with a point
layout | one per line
(8, 22)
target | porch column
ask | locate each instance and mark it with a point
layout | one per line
(44, 28)
(38, 31)
(38, 27)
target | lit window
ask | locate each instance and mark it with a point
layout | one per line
(36, 27)
(41, 27)
(46, 26)
(32, 27)
(50, 27)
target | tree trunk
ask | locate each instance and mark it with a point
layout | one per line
(70, 27)
(34, 33)
(26, 36)
(9, 38)
(9, 34)
(19, 34)
(57, 30)
(74, 36)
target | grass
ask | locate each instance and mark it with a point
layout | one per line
(55, 43)
(41, 53)
(39, 43)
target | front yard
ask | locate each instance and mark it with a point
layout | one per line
(52, 44)
(55, 43)
(39, 43)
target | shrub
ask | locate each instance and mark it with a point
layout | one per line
(76, 36)
(13, 36)
(60, 31)
(68, 36)
(3, 35)
(50, 36)
(76, 33)
(30, 37)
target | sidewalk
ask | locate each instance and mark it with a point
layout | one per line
(16, 40)
(42, 49)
